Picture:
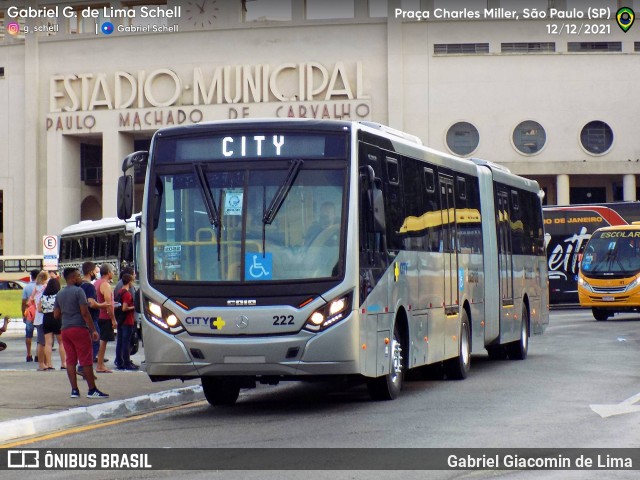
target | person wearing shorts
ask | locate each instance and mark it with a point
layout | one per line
(106, 317)
(78, 331)
(51, 326)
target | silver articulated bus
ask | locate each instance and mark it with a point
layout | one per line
(301, 249)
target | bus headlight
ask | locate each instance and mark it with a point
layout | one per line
(632, 285)
(330, 313)
(583, 283)
(162, 318)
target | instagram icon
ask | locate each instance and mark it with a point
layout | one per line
(13, 28)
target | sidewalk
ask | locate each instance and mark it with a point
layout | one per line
(34, 403)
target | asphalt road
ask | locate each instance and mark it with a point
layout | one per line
(577, 389)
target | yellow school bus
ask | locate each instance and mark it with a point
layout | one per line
(609, 278)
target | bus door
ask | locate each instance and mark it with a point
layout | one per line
(505, 251)
(449, 245)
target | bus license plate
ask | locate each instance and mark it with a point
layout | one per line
(608, 299)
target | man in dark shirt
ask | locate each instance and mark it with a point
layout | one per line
(89, 270)
(125, 329)
(78, 331)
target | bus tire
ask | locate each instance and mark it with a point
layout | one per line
(458, 368)
(220, 391)
(600, 314)
(387, 387)
(518, 350)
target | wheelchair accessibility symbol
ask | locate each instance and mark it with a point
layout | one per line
(257, 267)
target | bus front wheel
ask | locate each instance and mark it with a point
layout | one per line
(600, 314)
(220, 391)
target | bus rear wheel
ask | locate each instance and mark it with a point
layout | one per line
(220, 391)
(458, 368)
(600, 314)
(518, 350)
(388, 386)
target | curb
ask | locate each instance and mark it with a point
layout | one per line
(26, 427)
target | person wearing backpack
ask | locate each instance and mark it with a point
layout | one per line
(126, 322)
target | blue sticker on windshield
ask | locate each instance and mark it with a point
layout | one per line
(257, 266)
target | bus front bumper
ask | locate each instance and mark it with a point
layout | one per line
(332, 352)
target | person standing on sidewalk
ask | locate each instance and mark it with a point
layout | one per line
(89, 272)
(50, 325)
(106, 317)
(26, 294)
(41, 283)
(125, 328)
(78, 331)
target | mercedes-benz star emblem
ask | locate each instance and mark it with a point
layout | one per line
(243, 322)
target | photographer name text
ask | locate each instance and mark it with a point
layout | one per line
(102, 13)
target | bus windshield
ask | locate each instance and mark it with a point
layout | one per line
(612, 252)
(225, 222)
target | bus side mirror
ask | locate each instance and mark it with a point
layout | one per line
(136, 302)
(125, 197)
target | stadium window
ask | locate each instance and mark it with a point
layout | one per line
(267, 11)
(596, 137)
(460, 48)
(529, 137)
(452, 5)
(410, 5)
(378, 8)
(519, 5)
(591, 47)
(463, 138)
(78, 24)
(330, 9)
(530, 47)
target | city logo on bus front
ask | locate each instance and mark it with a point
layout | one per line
(215, 323)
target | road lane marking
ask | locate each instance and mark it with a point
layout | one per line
(93, 426)
(622, 408)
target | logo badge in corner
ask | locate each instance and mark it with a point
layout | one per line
(243, 322)
(23, 459)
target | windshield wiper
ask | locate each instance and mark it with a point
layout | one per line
(280, 196)
(278, 199)
(209, 202)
